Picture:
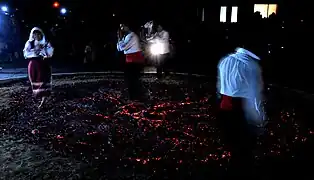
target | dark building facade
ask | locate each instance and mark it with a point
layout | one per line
(211, 12)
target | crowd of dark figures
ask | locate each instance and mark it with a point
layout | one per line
(173, 134)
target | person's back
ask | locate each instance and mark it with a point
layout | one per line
(240, 86)
(134, 60)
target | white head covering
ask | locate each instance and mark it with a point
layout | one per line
(31, 35)
(240, 76)
(45, 51)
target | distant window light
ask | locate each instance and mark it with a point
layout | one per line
(234, 14)
(203, 15)
(265, 9)
(223, 14)
(272, 8)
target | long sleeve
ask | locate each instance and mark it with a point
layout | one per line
(118, 47)
(164, 36)
(45, 51)
(28, 52)
(254, 106)
(49, 50)
(126, 43)
(151, 38)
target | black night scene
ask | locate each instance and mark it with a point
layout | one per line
(156, 89)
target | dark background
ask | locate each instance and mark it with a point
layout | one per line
(209, 40)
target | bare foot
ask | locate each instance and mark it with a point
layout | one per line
(43, 100)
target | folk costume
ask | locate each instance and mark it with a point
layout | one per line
(134, 60)
(37, 53)
(240, 86)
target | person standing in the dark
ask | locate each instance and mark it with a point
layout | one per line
(129, 43)
(38, 51)
(240, 86)
(162, 36)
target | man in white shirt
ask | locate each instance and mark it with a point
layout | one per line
(129, 43)
(162, 37)
(240, 85)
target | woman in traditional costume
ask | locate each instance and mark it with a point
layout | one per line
(37, 50)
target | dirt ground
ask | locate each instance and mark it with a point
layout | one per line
(90, 130)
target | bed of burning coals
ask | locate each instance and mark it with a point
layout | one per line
(89, 130)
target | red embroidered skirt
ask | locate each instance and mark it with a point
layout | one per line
(39, 73)
(137, 57)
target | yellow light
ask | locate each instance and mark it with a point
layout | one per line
(272, 8)
(265, 9)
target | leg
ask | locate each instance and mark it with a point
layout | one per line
(159, 72)
(45, 77)
(129, 79)
(238, 141)
(31, 71)
(165, 65)
(136, 85)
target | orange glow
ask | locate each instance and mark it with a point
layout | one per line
(265, 9)
(272, 8)
(56, 5)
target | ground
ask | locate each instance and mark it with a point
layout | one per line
(89, 130)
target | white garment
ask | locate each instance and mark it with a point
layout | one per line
(163, 38)
(41, 48)
(239, 75)
(149, 26)
(129, 44)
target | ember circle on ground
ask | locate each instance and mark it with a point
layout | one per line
(89, 129)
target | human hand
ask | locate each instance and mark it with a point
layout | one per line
(37, 51)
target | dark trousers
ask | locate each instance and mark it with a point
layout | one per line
(132, 78)
(238, 137)
(162, 65)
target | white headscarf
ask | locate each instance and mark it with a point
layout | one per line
(46, 51)
(31, 35)
(240, 76)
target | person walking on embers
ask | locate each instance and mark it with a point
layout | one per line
(37, 50)
(129, 43)
(241, 116)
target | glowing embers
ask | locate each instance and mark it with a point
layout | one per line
(173, 132)
(265, 9)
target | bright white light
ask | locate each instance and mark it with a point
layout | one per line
(4, 8)
(157, 48)
(223, 14)
(234, 14)
(63, 11)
